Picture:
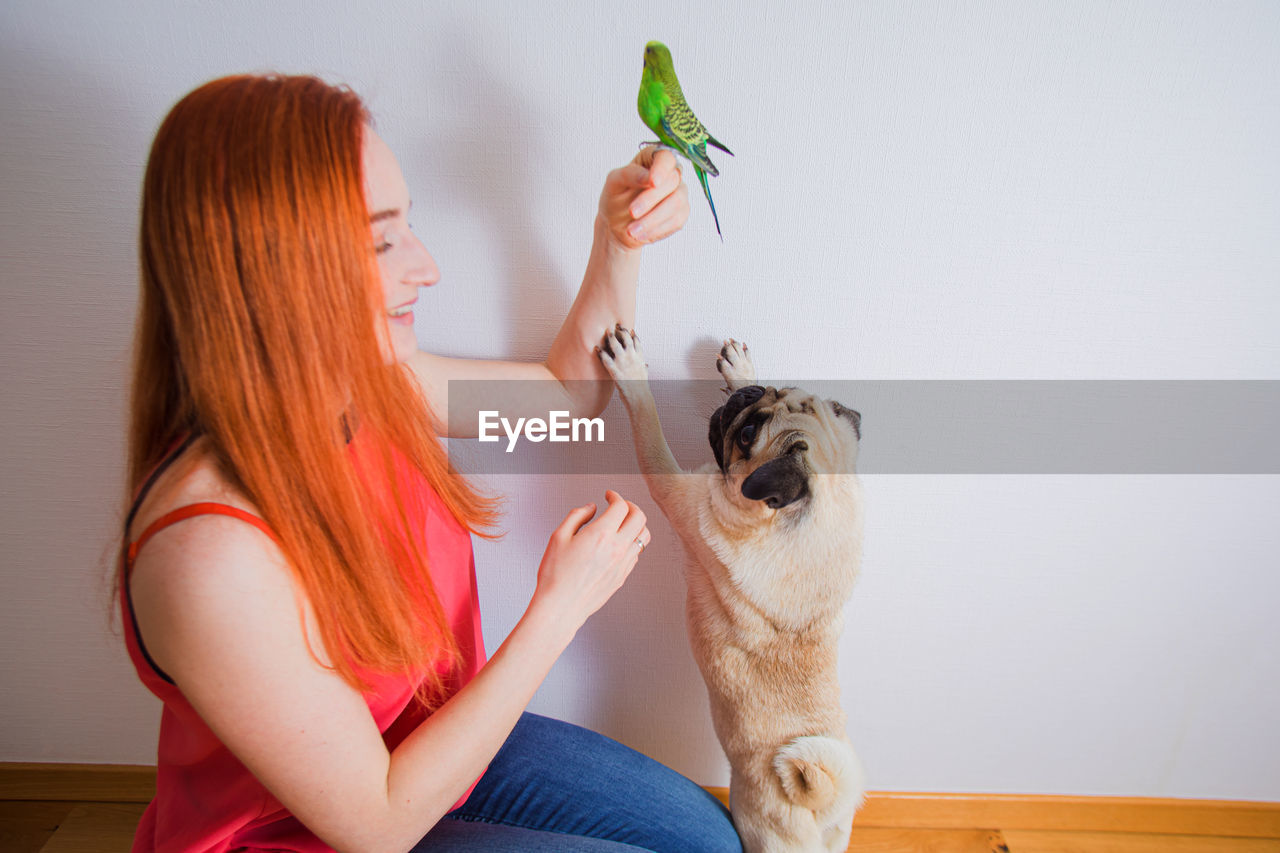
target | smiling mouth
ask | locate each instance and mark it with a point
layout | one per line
(402, 311)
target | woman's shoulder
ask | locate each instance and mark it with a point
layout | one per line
(194, 477)
(206, 572)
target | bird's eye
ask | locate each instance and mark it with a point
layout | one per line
(747, 435)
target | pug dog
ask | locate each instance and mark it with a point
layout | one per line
(773, 533)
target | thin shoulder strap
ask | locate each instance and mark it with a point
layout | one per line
(182, 513)
(173, 517)
(168, 460)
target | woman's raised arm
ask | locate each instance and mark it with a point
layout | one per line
(642, 202)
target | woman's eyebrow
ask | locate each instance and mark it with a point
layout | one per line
(391, 213)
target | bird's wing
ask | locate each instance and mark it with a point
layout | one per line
(678, 121)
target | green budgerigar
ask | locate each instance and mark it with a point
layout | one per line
(664, 109)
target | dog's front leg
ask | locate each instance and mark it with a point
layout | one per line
(734, 364)
(621, 355)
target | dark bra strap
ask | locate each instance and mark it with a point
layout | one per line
(130, 549)
(155, 475)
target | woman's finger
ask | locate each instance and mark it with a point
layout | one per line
(648, 199)
(632, 175)
(642, 541)
(665, 166)
(611, 519)
(664, 220)
(634, 523)
(658, 157)
(574, 521)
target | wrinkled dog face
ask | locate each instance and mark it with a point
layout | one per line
(775, 439)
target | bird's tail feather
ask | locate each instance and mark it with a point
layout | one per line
(706, 190)
(712, 141)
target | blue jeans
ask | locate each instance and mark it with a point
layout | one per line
(556, 786)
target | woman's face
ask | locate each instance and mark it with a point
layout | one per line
(404, 263)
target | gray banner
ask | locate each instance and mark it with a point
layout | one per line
(908, 426)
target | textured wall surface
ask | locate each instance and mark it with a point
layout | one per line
(921, 191)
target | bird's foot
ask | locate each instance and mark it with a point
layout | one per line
(657, 143)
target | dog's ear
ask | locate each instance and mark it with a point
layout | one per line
(715, 435)
(723, 418)
(778, 482)
(849, 415)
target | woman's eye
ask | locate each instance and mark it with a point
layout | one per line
(747, 435)
(382, 247)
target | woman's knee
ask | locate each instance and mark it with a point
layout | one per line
(643, 801)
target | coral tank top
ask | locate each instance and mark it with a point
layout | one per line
(206, 800)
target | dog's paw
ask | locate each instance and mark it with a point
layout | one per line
(735, 366)
(621, 355)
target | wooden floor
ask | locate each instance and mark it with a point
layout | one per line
(35, 826)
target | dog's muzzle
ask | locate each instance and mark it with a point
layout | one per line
(779, 482)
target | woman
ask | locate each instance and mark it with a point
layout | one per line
(298, 582)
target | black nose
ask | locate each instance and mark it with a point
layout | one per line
(778, 483)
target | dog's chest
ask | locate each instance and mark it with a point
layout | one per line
(740, 649)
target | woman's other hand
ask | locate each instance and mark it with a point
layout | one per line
(587, 561)
(645, 200)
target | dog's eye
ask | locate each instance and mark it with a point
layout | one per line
(747, 435)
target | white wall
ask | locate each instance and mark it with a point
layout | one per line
(966, 190)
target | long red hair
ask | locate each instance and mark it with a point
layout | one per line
(256, 329)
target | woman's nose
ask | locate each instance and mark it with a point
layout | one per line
(423, 270)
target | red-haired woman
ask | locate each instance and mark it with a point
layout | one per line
(298, 584)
